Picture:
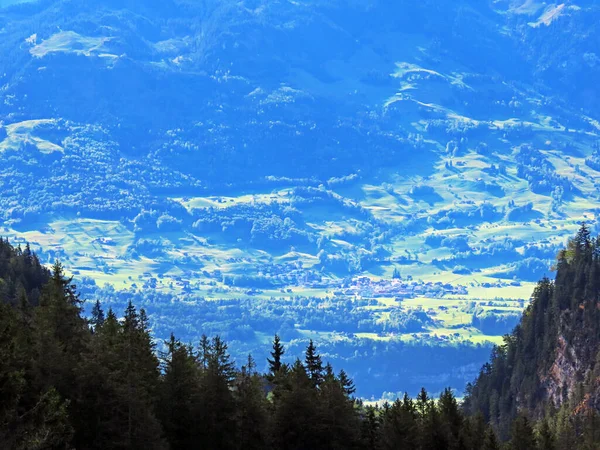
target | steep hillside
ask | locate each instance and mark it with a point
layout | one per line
(550, 362)
(386, 178)
(21, 275)
(67, 381)
(560, 41)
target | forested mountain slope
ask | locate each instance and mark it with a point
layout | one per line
(548, 367)
(68, 382)
(99, 383)
(387, 178)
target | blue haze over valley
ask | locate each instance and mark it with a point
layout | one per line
(388, 178)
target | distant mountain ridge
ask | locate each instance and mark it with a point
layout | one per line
(245, 65)
(227, 61)
(381, 174)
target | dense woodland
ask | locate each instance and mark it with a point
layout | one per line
(145, 103)
(98, 382)
(550, 364)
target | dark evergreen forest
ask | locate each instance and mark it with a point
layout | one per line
(99, 382)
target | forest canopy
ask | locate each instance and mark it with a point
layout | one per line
(99, 382)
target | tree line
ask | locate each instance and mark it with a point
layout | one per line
(67, 381)
(549, 366)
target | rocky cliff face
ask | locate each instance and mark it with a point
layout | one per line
(574, 375)
(551, 358)
(566, 371)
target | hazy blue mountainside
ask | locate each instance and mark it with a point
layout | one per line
(386, 177)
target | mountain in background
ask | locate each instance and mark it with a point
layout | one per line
(387, 178)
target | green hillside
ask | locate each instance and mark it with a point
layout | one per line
(72, 382)
(387, 178)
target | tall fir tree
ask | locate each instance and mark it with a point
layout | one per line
(490, 441)
(100, 406)
(140, 375)
(252, 409)
(61, 335)
(97, 318)
(338, 421)
(275, 362)
(179, 395)
(400, 426)
(217, 404)
(347, 383)
(296, 414)
(313, 364)
(370, 427)
(522, 436)
(545, 437)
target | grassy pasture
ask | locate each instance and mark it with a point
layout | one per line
(426, 185)
(30, 132)
(71, 42)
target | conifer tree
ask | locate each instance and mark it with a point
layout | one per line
(179, 395)
(422, 402)
(140, 372)
(217, 406)
(566, 438)
(347, 383)
(48, 425)
(473, 432)
(545, 438)
(522, 437)
(451, 418)
(219, 361)
(97, 318)
(370, 428)
(204, 351)
(28, 418)
(61, 335)
(99, 408)
(583, 241)
(400, 425)
(24, 333)
(12, 382)
(313, 364)
(296, 413)
(251, 412)
(339, 424)
(432, 435)
(590, 438)
(490, 441)
(275, 363)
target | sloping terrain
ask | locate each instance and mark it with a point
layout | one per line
(547, 368)
(401, 171)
